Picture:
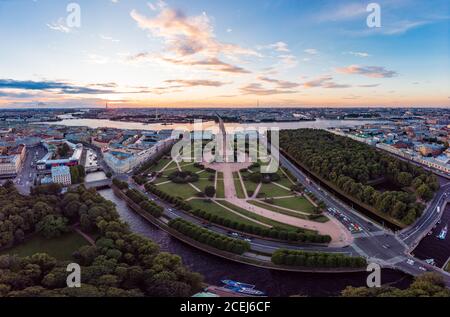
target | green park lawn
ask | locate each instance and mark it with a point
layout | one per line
(284, 180)
(277, 210)
(184, 191)
(60, 248)
(262, 219)
(160, 165)
(203, 183)
(220, 190)
(215, 209)
(189, 167)
(171, 167)
(272, 190)
(237, 184)
(295, 203)
(250, 186)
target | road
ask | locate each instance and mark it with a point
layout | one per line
(413, 234)
(25, 179)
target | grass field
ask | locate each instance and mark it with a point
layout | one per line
(184, 191)
(262, 219)
(161, 164)
(189, 167)
(295, 203)
(285, 181)
(274, 208)
(203, 183)
(250, 186)
(277, 210)
(60, 248)
(272, 190)
(220, 190)
(220, 211)
(238, 186)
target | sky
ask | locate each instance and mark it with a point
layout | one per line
(217, 53)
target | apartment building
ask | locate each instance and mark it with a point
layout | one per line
(61, 175)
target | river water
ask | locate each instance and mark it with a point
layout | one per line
(102, 123)
(275, 283)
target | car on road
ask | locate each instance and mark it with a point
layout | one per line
(422, 268)
(410, 262)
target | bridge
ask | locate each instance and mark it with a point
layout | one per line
(101, 184)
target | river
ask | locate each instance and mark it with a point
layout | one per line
(103, 123)
(275, 283)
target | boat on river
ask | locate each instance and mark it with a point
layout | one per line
(242, 288)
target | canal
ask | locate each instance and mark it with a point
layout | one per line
(275, 283)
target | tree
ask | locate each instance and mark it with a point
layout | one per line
(427, 284)
(63, 150)
(74, 174)
(210, 191)
(404, 179)
(52, 226)
(424, 192)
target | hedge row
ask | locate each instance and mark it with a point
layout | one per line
(179, 203)
(208, 237)
(140, 179)
(143, 202)
(120, 184)
(274, 233)
(316, 259)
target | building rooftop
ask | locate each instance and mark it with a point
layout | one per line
(60, 170)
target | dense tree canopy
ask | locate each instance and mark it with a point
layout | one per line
(428, 284)
(120, 263)
(354, 166)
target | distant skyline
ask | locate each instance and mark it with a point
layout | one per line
(282, 53)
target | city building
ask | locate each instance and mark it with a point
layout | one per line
(11, 160)
(123, 160)
(61, 175)
(430, 149)
(52, 158)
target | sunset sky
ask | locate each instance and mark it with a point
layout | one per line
(211, 53)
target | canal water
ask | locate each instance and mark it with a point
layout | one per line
(275, 283)
(433, 248)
